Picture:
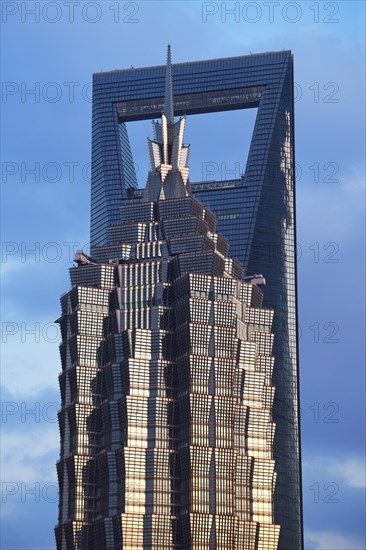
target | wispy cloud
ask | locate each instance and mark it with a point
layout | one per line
(352, 470)
(29, 353)
(29, 368)
(9, 267)
(28, 456)
(332, 540)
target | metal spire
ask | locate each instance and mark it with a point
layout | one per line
(168, 177)
(168, 108)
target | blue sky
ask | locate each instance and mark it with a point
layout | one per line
(45, 217)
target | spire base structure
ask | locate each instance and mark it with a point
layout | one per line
(168, 177)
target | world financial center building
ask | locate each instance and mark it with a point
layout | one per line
(180, 413)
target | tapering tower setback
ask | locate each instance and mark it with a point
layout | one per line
(256, 213)
(166, 421)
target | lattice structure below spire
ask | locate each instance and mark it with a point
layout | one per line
(168, 177)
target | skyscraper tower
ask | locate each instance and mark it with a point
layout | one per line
(166, 421)
(256, 213)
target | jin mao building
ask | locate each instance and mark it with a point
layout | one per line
(179, 419)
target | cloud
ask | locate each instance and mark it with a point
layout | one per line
(9, 267)
(28, 456)
(30, 368)
(352, 470)
(332, 540)
(29, 354)
(28, 471)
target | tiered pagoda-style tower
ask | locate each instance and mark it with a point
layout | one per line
(166, 421)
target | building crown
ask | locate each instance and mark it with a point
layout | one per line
(168, 177)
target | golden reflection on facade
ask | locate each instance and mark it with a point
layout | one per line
(166, 421)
